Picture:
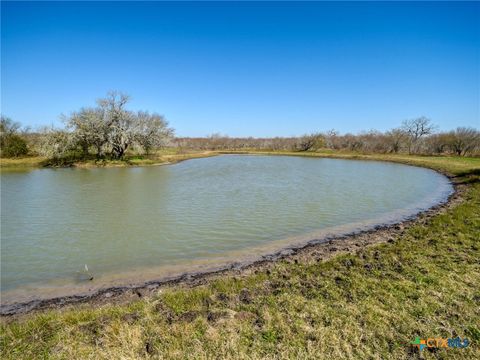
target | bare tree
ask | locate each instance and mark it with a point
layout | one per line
(438, 143)
(461, 141)
(395, 139)
(351, 142)
(217, 141)
(416, 129)
(464, 140)
(8, 126)
(310, 142)
(332, 139)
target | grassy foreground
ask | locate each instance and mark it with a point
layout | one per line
(366, 305)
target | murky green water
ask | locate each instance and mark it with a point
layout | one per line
(134, 223)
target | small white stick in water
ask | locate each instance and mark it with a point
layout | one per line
(86, 268)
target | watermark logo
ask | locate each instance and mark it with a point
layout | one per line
(440, 343)
(419, 343)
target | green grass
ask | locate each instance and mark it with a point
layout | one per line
(23, 162)
(371, 304)
(159, 157)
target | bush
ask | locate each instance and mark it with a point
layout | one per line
(13, 146)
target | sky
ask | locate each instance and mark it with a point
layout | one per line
(246, 68)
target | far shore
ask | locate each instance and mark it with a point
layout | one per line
(160, 158)
(172, 156)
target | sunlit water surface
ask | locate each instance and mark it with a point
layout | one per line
(135, 224)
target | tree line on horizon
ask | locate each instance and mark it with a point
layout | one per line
(415, 136)
(110, 131)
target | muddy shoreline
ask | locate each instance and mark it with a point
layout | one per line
(314, 250)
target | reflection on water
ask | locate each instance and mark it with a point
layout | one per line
(132, 223)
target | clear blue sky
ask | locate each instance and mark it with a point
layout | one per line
(259, 69)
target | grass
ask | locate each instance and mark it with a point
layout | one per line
(22, 162)
(371, 304)
(160, 157)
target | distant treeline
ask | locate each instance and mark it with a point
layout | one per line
(415, 136)
(109, 131)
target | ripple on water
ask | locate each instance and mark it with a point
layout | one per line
(132, 223)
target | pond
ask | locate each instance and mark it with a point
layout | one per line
(129, 225)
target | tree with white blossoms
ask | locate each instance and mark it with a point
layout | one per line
(109, 129)
(88, 130)
(152, 131)
(55, 143)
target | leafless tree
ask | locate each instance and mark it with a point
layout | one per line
(438, 143)
(416, 129)
(464, 140)
(332, 139)
(8, 126)
(350, 142)
(310, 142)
(395, 139)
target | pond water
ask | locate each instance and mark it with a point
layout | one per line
(134, 224)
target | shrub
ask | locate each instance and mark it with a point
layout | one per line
(13, 146)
